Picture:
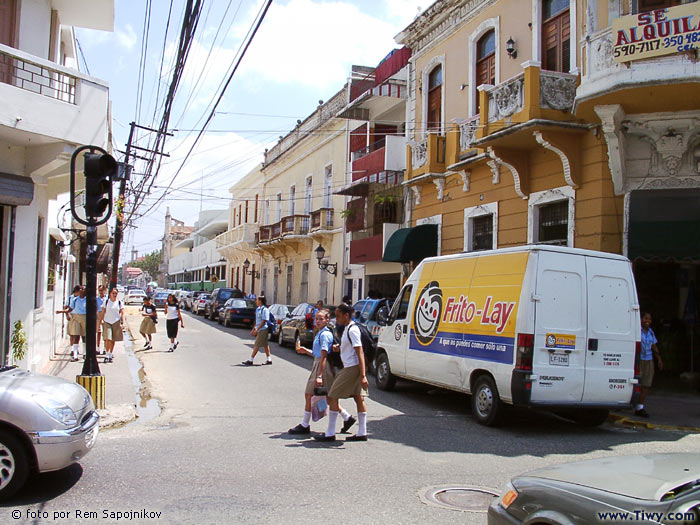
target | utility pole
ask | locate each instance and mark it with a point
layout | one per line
(119, 225)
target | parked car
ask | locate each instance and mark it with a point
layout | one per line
(281, 312)
(182, 299)
(237, 312)
(366, 312)
(46, 424)
(218, 298)
(160, 299)
(199, 304)
(192, 297)
(296, 325)
(653, 488)
(135, 295)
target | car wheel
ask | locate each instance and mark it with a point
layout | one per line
(590, 418)
(14, 467)
(384, 379)
(486, 403)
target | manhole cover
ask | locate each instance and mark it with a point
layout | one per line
(471, 499)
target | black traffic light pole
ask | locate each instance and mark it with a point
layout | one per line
(99, 169)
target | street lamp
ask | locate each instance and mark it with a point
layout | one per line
(246, 265)
(330, 268)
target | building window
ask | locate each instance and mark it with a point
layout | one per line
(435, 99)
(246, 211)
(652, 5)
(328, 187)
(307, 197)
(481, 227)
(556, 35)
(553, 223)
(485, 62)
(279, 207)
(384, 212)
(292, 198)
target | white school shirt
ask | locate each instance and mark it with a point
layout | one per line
(111, 310)
(351, 339)
(172, 312)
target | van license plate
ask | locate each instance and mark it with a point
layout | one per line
(559, 359)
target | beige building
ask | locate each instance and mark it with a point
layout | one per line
(301, 174)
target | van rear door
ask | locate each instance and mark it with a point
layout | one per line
(560, 328)
(612, 326)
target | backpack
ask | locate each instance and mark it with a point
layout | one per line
(271, 323)
(367, 346)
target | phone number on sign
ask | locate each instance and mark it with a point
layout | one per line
(680, 42)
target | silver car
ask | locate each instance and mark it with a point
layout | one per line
(46, 423)
(653, 488)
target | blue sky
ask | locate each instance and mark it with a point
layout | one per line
(302, 54)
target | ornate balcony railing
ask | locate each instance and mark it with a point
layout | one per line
(506, 98)
(419, 153)
(295, 225)
(467, 132)
(322, 219)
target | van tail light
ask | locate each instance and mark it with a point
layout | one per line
(523, 356)
(637, 354)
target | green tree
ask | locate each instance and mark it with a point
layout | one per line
(149, 263)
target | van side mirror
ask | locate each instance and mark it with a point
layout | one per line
(382, 316)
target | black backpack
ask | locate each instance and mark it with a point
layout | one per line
(367, 346)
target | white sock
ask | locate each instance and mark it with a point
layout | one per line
(362, 423)
(84, 348)
(640, 407)
(75, 350)
(306, 420)
(332, 418)
(344, 414)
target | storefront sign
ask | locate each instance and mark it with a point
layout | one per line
(656, 33)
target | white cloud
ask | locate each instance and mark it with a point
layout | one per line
(312, 43)
(127, 38)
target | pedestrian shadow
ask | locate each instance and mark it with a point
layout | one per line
(46, 487)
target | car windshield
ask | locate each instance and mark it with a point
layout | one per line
(240, 303)
(224, 295)
(162, 296)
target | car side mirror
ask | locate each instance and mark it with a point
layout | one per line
(382, 316)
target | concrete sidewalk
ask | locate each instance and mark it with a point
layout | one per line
(120, 391)
(667, 411)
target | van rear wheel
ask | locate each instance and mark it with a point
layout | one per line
(486, 403)
(383, 378)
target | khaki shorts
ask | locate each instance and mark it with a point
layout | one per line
(328, 376)
(347, 384)
(147, 326)
(262, 338)
(112, 332)
(76, 326)
(646, 367)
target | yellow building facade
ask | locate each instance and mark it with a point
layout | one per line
(528, 123)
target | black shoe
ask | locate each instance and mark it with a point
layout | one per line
(268, 362)
(346, 425)
(175, 345)
(248, 363)
(356, 438)
(73, 358)
(324, 438)
(299, 430)
(641, 413)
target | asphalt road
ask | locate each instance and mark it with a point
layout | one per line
(218, 452)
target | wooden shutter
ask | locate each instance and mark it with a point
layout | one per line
(652, 5)
(435, 100)
(485, 74)
(555, 43)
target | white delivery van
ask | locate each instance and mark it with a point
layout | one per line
(534, 326)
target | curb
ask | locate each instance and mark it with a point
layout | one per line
(626, 421)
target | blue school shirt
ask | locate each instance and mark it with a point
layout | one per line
(79, 305)
(322, 341)
(262, 313)
(648, 339)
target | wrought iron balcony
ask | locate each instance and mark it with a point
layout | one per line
(322, 219)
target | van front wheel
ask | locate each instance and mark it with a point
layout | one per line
(383, 378)
(486, 403)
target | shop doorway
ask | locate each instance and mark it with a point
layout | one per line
(384, 285)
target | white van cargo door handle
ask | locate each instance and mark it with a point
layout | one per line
(536, 297)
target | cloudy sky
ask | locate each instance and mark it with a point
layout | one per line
(301, 54)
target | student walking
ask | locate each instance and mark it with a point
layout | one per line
(646, 362)
(75, 312)
(148, 323)
(100, 299)
(351, 381)
(112, 321)
(260, 331)
(322, 373)
(173, 317)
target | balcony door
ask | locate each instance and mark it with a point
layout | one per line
(485, 62)
(7, 22)
(556, 29)
(435, 99)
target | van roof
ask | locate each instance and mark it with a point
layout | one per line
(529, 248)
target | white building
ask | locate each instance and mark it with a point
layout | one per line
(48, 109)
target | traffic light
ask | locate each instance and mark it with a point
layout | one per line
(100, 169)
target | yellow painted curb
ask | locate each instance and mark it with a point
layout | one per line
(628, 422)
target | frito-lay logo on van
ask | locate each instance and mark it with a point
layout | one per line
(426, 316)
(463, 311)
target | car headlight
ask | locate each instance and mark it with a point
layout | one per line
(56, 409)
(509, 496)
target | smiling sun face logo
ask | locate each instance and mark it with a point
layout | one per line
(426, 316)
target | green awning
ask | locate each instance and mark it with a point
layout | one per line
(412, 244)
(676, 240)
